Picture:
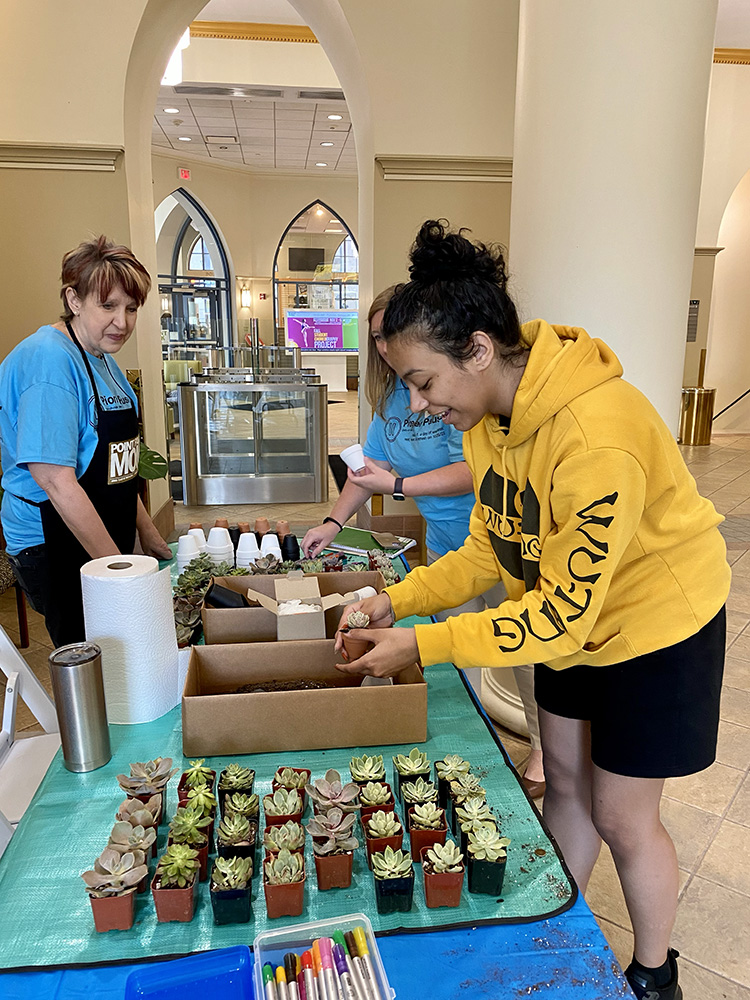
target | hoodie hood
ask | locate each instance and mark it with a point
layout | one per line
(564, 363)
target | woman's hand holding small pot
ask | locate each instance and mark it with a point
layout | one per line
(394, 650)
(378, 609)
(319, 538)
(375, 478)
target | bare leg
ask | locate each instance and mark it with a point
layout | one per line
(525, 683)
(567, 804)
(626, 814)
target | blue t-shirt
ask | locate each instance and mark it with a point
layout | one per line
(48, 414)
(414, 443)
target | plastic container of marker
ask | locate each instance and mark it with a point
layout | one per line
(272, 946)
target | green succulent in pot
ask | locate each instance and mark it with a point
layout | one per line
(287, 777)
(236, 777)
(231, 873)
(414, 763)
(197, 774)
(467, 786)
(390, 864)
(284, 868)
(289, 836)
(366, 768)
(383, 824)
(374, 793)
(234, 830)
(445, 857)
(115, 874)
(419, 791)
(486, 844)
(283, 802)
(452, 767)
(473, 811)
(188, 826)
(125, 838)
(244, 805)
(427, 816)
(177, 867)
(147, 778)
(202, 799)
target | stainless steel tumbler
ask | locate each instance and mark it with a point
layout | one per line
(78, 687)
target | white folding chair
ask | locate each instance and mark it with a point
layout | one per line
(23, 762)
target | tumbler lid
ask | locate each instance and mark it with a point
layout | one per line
(75, 653)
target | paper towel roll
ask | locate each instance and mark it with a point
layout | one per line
(127, 610)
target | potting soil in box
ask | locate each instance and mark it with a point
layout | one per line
(34, 933)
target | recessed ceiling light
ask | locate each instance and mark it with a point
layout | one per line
(326, 144)
(171, 111)
(321, 164)
(184, 138)
(335, 118)
(318, 211)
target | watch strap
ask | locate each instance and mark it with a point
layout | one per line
(398, 489)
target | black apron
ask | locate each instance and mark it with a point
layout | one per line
(111, 484)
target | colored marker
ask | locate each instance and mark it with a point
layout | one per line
(347, 984)
(326, 961)
(320, 980)
(311, 989)
(364, 953)
(281, 987)
(300, 980)
(269, 986)
(290, 968)
(359, 965)
(359, 987)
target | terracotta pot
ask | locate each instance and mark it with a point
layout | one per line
(195, 524)
(281, 820)
(284, 900)
(221, 522)
(442, 888)
(282, 529)
(297, 770)
(113, 913)
(334, 871)
(394, 895)
(375, 845)
(354, 648)
(420, 839)
(244, 527)
(174, 904)
(380, 781)
(486, 876)
(262, 526)
(231, 906)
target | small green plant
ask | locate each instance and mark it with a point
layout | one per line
(391, 864)
(420, 791)
(486, 844)
(311, 565)
(451, 766)
(289, 836)
(427, 816)
(177, 867)
(188, 826)
(202, 799)
(467, 786)
(287, 777)
(235, 777)
(265, 566)
(245, 805)
(234, 830)
(197, 774)
(231, 873)
(375, 794)
(147, 778)
(445, 858)
(415, 763)
(366, 768)
(357, 619)
(284, 868)
(114, 874)
(332, 832)
(383, 824)
(329, 792)
(283, 802)
(473, 811)
(139, 813)
(124, 838)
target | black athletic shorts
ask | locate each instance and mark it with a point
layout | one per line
(656, 716)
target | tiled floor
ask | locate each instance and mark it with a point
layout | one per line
(708, 815)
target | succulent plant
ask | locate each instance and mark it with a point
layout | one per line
(329, 792)
(427, 816)
(231, 873)
(283, 802)
(114, 874)
(197, 774)
(357, 619)
(124, 838)
(245, 805)
(375, 793)
(419, 791)
(177, 867)
(234, 830)
(451, 766)
(287, 777)
(335, 829)
(237, 571)
(265, 566)
(188, 826)
(235, 776)
(202, 799)
(139, 813)
(383, 824)
(473, 811)
(311, 565)
(391, 864)
(485, 843)
(380, 561)
(147, 778)
(445, 857)
(357, 567)
(289, 835)
(283, 868)
(366, 768)
(415, 763)
(467, 786)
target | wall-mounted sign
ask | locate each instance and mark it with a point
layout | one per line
(183, 173)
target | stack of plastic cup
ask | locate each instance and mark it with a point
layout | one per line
(247, 549)
(269, 545)
(219, 546)
(187, 550)
(354, 458)
(200, 538)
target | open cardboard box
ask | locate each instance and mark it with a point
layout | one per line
(223, 625)
(217, 721)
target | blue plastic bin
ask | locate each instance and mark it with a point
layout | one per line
(225, 973)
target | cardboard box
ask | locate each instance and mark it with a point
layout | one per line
(297, 586)
(223, 625)
(216, 721)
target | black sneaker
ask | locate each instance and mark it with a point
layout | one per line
(643, 984)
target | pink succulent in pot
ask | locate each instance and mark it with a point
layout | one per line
(329, 792)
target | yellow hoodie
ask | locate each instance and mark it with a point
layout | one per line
(586, 511)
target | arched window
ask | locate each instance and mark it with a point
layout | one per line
(199, 259)
(346, 258)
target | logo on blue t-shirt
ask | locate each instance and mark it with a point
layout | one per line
(393, 428)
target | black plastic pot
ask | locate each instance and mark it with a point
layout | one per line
(486, 876)
(290, 548)
(400, 780)
(231, 906)
(239, 850)
(394, 895)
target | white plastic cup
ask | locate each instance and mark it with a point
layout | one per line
(354, 458)
(188, 545)
(219, 538)
(269, 546)
(247, 549)
(200, 537)
(183, 561)
(360, 595)
(223, 554)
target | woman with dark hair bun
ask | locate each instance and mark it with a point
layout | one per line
(614, 565)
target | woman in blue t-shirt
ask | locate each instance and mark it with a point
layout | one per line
(427, 458)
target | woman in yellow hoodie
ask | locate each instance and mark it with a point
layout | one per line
(615, 569)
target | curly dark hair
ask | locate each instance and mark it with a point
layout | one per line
(456, 288)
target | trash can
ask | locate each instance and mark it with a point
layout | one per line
(696, 415)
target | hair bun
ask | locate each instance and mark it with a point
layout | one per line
(441, 255)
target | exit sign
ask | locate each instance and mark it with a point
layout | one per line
(184, 173)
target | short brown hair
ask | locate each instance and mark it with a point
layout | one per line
(99, 265)
(380, 379)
